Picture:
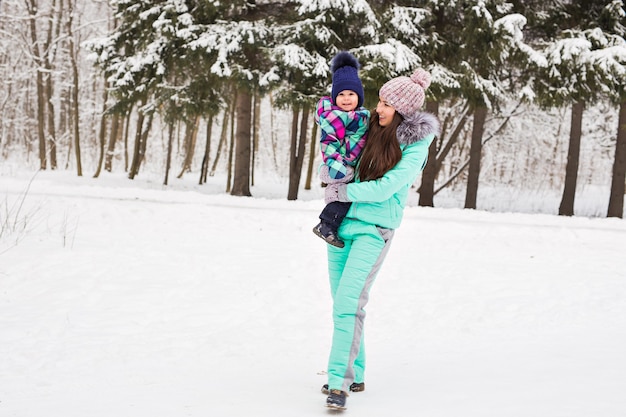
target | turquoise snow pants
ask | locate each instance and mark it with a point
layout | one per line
(352, 270)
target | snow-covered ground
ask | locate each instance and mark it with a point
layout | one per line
(120, 298)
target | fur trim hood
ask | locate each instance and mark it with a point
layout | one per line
(417, 127)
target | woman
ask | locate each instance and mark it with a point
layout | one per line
(395, 153)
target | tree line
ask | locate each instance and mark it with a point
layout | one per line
(187, 63)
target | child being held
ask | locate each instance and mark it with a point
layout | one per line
(343, 123)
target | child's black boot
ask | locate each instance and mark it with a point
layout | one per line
(325, 232)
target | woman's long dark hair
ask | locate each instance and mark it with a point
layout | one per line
(382, 150)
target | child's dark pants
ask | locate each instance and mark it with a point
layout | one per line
(334, 213)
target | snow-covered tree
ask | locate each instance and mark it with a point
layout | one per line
(411, 33)
(617, 54)
(612, 62)
(18, 71)
(138, 59)
(236, 45)
(37, 100)
(574, 76)
(305, 42)
(475, 51)
(482, 57)
(182, 61)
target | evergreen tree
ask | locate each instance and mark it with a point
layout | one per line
(305, 42)
(412, 31)
(141, 57)
(613, 63)
(177, 57)
(475, 53)
(478, 58)
(572, 75)
(235, 42)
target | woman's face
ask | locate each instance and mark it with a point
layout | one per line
(385, 112)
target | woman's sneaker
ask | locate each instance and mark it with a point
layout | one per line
(336, 400)
(354, 387)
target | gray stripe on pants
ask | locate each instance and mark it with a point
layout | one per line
(348, 379)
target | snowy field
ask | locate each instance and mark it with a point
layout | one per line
(121, 299)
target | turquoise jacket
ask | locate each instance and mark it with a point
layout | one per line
(381, 202)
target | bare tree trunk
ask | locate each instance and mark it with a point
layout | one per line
(427, 188)
(480, 114)
(256, 128)
(113, 138)
(67, 114)
(168, 161)
(76, 120)
(191, 135)
(52, 140)
(241, 180)
(134, 166)
(573, 156)
(65, 120)
(312, 153)
(207, 152)
(103, 128)
(231, 147)
(76, 83)
(223, 138)
(293, 153)
(298, 145)
(127, 119)
(616, 200)
(144, 139)
(54, 31)
(273, 133)
(32, 7)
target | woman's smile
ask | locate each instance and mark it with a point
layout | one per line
(385, 112)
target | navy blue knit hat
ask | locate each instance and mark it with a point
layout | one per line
(345, 69)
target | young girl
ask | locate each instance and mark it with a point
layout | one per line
(343, 123)
(395, 153)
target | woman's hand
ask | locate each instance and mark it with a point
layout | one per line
(336, 192)
(331, 193)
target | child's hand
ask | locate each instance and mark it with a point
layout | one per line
(349, 174)
(327, 179)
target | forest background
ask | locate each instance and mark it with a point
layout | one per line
(531, 94)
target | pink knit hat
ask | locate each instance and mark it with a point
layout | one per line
(406, 94)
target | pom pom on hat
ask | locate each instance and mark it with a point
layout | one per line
(421, 77)
(345, 68)
(406, 94)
